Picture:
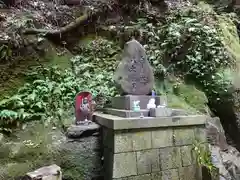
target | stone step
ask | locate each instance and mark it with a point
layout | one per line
(126, 102)
(158, 112)
(163, 112)
(126, 113)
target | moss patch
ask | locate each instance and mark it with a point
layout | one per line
(183, 96)
(26, 150)
(16, 77)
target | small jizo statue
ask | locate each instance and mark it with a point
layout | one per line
(85, 108)
(134, 75)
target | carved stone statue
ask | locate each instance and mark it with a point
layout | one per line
(134, 75)
(84, 107)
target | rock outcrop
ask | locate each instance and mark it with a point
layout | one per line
(225, 157)
(82, 152)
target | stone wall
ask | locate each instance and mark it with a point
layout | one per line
(163, 151)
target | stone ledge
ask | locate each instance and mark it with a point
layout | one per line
(126, 113)
(118, 123)
(145, 112)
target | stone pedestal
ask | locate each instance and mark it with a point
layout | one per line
(160, 112)
(151, 148)
(126, 102)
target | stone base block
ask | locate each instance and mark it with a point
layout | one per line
(166, 112)
(160, 112)
(151, 148)
(52, 172)
(126, 102)
(126, 113)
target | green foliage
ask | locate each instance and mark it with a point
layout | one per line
(189, 44)
(204, 157)
(50, 94)
(98, 55)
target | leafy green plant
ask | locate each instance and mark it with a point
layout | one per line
(100, 54)
(49, 95)
(203, 156)
(189, 44)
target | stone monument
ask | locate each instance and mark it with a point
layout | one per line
(134, 74)
(135, 80)
(141, 138)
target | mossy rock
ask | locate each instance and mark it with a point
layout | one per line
(37, 146)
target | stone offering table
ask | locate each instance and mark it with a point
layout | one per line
(151, 148)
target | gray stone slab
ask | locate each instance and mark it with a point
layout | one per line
(126, 102)
(118, 123)
(76, 131)
(148, 161)
(126, 113)
(141, 140)
(170, 158)
(160, 112)
(184, 136)
(162, 138)
(186, 155)
(125, 164)
(123, 142)
(201, 134)
(132, 141)
(170, 174)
